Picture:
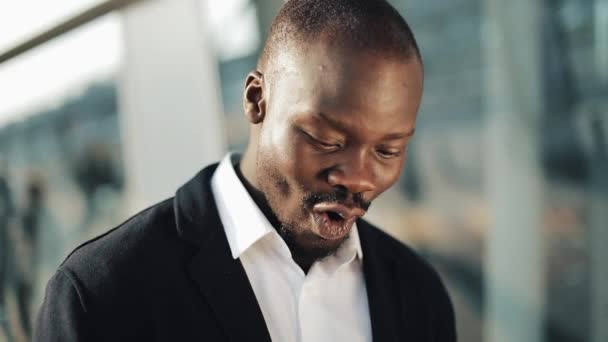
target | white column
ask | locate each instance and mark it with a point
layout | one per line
(514, 259)
(171, 116)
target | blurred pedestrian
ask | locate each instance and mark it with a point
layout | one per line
(31, 217)
(6, 215)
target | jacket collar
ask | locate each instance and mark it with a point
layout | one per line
(379, 274)
(393, 296)
(224, 284)
(220, 278)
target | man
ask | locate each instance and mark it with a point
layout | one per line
(271, 245)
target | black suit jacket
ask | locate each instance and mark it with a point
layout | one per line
(167, 275)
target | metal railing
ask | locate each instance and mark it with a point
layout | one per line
(65, 26)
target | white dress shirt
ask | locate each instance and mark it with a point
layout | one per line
(327, 304)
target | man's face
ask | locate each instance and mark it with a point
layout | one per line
(333, 138)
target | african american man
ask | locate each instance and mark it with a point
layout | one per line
(270, 245)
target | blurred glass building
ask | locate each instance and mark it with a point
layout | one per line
(505, 190)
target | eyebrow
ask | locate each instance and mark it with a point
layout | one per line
(395, 136)
(390, 136)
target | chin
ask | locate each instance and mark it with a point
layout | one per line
(309, 245)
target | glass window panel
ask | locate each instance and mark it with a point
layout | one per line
(19, 20)
(234, 31)
(61, 174)
(45, 74)
(446, 212)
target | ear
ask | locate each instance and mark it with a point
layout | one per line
(254, 101)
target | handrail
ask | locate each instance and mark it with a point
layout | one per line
(65, 26)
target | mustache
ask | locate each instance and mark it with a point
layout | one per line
(340, 196)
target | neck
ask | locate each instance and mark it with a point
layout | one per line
(246, 166)
(245, 170)
(256, 194)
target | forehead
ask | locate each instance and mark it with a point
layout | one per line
(347, 85)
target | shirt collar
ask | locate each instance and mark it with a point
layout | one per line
(244, 222)
(353, 243)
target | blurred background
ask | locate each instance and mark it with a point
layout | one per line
(107, 107)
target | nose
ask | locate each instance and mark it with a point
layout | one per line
(354, 174)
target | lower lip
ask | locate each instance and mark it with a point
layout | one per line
(331, 229)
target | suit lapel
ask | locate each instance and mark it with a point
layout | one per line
(382, 285)
(220, 278)
(224, 283)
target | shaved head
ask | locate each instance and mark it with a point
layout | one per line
(370, 25)
(332, 107)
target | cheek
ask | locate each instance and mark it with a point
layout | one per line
(303, 163)
(387, 176)
(280, 155)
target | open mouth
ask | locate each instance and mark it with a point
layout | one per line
(334, 221)
(334, 216)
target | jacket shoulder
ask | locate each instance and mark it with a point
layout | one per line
(106, 281)
(127, 253)
(409, 260)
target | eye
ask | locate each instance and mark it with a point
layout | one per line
(318, 143)
(325, 145)
(388, 153)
